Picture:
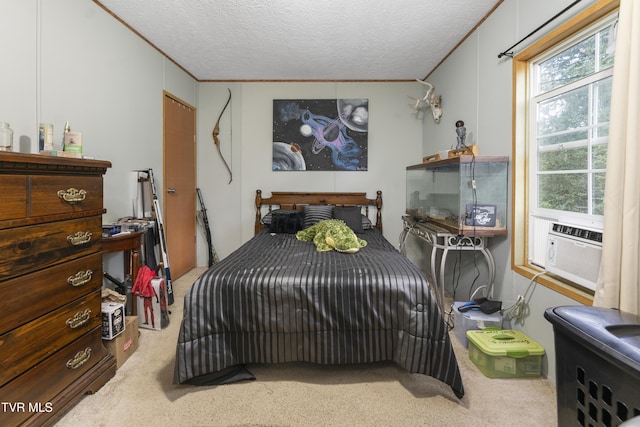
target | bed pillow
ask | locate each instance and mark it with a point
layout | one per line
(351, 216)
(366, 223)
(316, 213)
(286, 221)
(266, 219)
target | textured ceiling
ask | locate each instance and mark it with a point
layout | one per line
(303, 39)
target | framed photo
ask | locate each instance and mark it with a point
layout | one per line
(480, 215)
(320, 134)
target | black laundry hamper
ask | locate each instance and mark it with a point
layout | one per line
(597, 365)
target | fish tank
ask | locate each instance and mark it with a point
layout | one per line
(466, 195)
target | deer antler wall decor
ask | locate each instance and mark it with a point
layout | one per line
(429, 100)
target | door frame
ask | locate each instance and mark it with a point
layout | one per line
(166, 94)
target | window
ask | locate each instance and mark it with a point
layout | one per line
(561, 102)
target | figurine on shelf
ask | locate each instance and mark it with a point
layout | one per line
(462, 134)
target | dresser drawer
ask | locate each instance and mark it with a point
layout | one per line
(36, 294)
(64, 194)
(30, 248)
(42, 383)
(13, 189)
(23, 347)
(51, 350)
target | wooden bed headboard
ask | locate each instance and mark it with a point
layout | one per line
(291, 200)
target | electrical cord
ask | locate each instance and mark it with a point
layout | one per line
(473, 295)
(520, 310)
(457, 273)
(477, 276)
(449, 318)
(474, 192)
(403, 241)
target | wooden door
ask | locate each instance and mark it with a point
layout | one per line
(179, 184)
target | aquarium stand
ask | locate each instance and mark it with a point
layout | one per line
(441, 239)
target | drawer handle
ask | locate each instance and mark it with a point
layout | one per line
(80, 319)
(79, 359)
(80, 238)
(72, 195)
(81, 278)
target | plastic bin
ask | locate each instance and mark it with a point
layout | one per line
(472, 320)
(505, 353)
(597, 365)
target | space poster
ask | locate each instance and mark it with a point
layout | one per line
(320, 134)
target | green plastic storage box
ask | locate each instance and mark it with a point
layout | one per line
(503, 353)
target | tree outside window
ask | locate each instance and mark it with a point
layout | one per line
(562, 99)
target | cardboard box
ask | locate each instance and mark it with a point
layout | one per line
(112, 320)
(73, 142)
(152, 307)
(125, 344)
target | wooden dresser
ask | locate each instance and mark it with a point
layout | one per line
(51, 350)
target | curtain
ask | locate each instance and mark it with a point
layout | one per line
(618, 284)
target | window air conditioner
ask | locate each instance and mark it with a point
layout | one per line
(574, 253)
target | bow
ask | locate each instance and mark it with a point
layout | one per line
(216, 132)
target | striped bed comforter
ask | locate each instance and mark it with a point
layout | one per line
(278, 300)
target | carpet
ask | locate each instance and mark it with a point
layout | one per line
(142, 393)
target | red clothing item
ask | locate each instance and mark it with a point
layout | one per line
(142, 286)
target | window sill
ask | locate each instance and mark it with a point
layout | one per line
(556, 284)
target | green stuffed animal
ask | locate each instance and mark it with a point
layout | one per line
(332, 234)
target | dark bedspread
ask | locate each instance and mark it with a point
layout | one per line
(278, 300)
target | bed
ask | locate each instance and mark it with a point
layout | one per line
(276, 299)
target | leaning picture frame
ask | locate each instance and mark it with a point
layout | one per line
(480, 215)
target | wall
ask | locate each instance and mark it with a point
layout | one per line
(476, 87)
(72, 61)
(246, 138)
(69, 60)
